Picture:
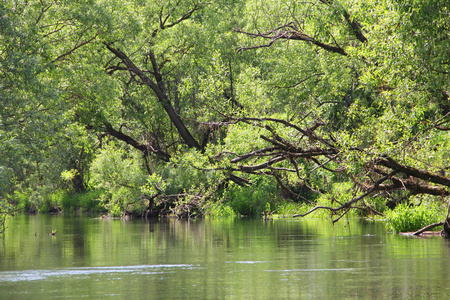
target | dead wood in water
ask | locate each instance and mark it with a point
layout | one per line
(427, 228)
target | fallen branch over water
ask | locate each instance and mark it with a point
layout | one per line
(431, 226)
(425, 230)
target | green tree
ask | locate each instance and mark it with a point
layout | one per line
(38, 139)
(374, 94)
(333, 101)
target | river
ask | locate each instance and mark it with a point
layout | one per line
(217, 259)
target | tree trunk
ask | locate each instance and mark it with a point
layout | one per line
(159, 90)
(447, 228)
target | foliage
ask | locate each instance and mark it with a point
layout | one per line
(218, 210)
(87, 201)
(6, 211)
(253, 200)
(410, 218)
(121, 176)
(147, 107)
(288, 208)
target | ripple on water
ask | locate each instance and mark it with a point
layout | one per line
(314, 270)
(250, 262)
(32, 275)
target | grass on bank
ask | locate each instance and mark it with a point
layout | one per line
(406, 217)
(31, 201)
(410, 218)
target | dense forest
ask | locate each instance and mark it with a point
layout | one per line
(192, 107)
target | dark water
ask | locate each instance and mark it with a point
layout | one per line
(217, 259)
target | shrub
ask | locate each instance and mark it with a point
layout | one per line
(121, 175)
(88, 201)
(218, 210)
(252, 200)
(6, 211)
(287, 207)
(41, 200)
(21, 199)
(406, 218)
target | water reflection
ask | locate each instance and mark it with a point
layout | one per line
(230, 258)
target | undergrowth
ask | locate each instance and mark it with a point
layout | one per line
(406, 218)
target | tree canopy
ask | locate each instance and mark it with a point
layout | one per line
(175, 106)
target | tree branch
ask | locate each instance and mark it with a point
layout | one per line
(354, 200)
(132, 142)
(427, 228)
(75, 48)
(424, 175)
(353, 23)
(159, 90)
(289, 32)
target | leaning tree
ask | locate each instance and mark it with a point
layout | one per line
(374, 99)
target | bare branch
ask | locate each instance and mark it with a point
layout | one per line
(343, 214)
(185, 16)
(278, 179)
(44, 9)
(75, 48)
(159, 89)
(163, 20)
(252, 154)
(264, 165)
(313, 210)
(431, 226)
(289, 32)
(353, 23)
(132, 142)
(424, 175)
(319, 165)
(354, 200)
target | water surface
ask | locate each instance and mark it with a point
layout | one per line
(217, 259)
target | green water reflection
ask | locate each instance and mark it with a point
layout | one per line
(217, 259)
